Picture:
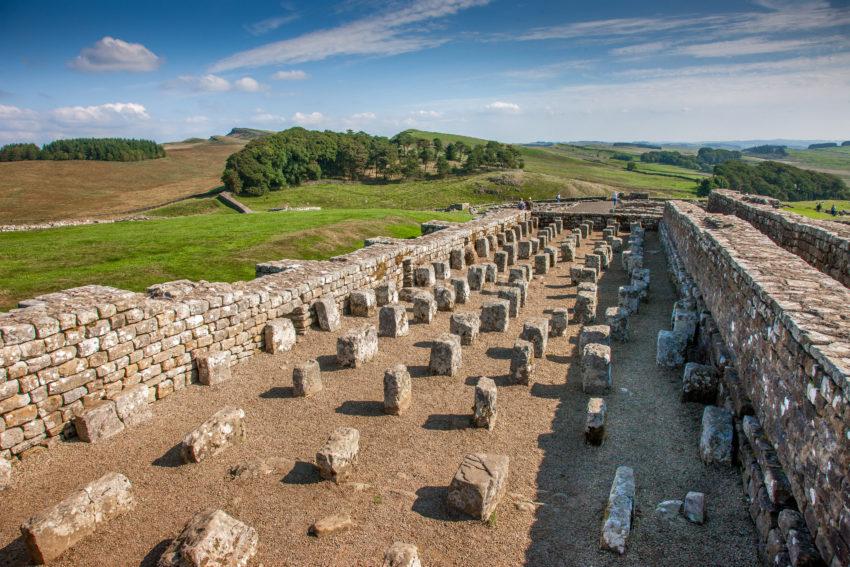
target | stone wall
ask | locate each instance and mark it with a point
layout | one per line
(648, 213)
(787, 327)
(823, 244)
(64, 350)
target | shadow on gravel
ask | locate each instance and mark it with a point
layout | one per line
(446, 421)
(423, 344)
(14, 554)
(171, 459)
(419, 371)
(152, 558)
(502, 381)
(548, 391)
(302, 473)
(431, 503)
(328, 363)
(499, 353)
(278, 392)
(365, 408)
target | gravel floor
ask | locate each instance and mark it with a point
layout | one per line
(557, 489)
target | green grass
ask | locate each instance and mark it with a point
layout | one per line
(189, 207)
(807, 208)
(446, 138)
(215, 247)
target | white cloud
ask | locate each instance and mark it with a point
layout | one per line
(270, 24)
(747, 46)
(112, 54)
(103, 114)
(501, 106)
(294, 75)
(308, 119)
(363, 116)
(641, 48)
(268, 117)
(211, 83)
(196, 120)
(388, 34)
(427, 113)
(247, 84)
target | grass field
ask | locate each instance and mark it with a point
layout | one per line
(807, 208)
(214, 247)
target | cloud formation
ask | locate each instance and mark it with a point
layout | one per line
(211, 83)
(294, 75)
(112, 54)
(103, 114)
(270, 24)
(308, 119)
(501, 106)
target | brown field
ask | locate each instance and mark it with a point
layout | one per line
(39, 191)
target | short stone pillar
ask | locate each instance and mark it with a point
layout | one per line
(442, 271)
(397, 390)
(98, 421)
(596, 369)
(476, 276)
(484, 409)
(469, 256)
(424, 307)
(482, 247)
(446, 355)
(616, 244)
(536, 331)
(279, 336)
(338, 456)
(516, 275)
(559, 322)
(456, 259)
(580, 274)
(700, 383)
(576, 232)
(501, 261)
(670, 349)
(444, 297)
(524, 249)
(461, 289)
(466, 326)
(357, 346)
(211, 537)
(512, 295)
(586, 229)
(585, 307)
(541, 264)
(510, 252)
(604, 253)
(362, 303)
(306, 379)
(715, 442)
(693, 508)
(535, 246)
(600, 334)
(594, 424)
(495, 315)
(593, 261)
(490, 272)
(542, 241)
(479, 484)
(402, 555)
(617, 318)
(617, 525)
(386, 293)
(494, 242)
(522, 288)
(568, 251)
(220, 431)
(629, 298)
(552, 252)
(423, 276)
(327, 314)
(213, 368)
(392, 321)
(522, 365)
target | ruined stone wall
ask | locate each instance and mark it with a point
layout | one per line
(788, 329)
(823, 244)
(63, 350)
(649, 219)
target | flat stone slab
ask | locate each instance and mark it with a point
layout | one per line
(279, 336)
(338, 456)
(330, 525)
(214, 435)
(211, 538)
(715, 443)
(617, 525)
(53, 531)
(479, 484)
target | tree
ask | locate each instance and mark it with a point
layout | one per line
(438, 145)
(631, 166)
(443, 167)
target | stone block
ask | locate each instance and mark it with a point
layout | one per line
(482, 247)
(594, 424)
(552, 252)
(444, 297)
(211, 538)
(327, 314)
(397, 390)
(338, 456)
(593, 261)
(524, 249)
(616, 244)
(536, 331)
(580, 274)
(568, 251)
(424, 307)
(512, 296)
(617, 319)
(386, 294)
(685, 319)
(479, 484)
(585, 230)
(279, 336)
(693, 507)
(511, 255)
(469, 255)
(442, 271)
(5, 474)
(213, 368)
(585, 307)
(522, 363)
(392, 321)
(522, 287)
(516, 275)
(541, 264)
(559, 322)
(700, 383)
(423, 276)
(476, 276)
(535, 246)
(490, 272)
(670, 350)
(53, 531)
(357, 346)
(495, 315)
(600, 334)
(501, 261)
(132, 405)
(98, 421)
(576, 232)
(466, 326)
(213, 436)
(306, 379)
(402, 555)
(362, 303)
(461, 289)
(330, 525)
(715, 443)
(456, 259)
(628, 297)
(446, 356)
(617, 525)
(485, 408)
(596, 369)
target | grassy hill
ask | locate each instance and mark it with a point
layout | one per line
(446, 138)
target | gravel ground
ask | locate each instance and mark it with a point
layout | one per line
(557, 487)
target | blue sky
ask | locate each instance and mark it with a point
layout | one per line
(513, 71)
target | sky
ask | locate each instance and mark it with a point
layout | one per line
(614, 70)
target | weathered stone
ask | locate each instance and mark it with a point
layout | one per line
(522, 366)
(568, 251)
(442, 271)
(330, 525)
(456, 259)
(211, 538)
(495, 315)
(444, 297)
(490, 272)
(132, 405)
(306, 379)
(536, 331)
(424, 307)
(5, 474)
(600, 334)
(617, 525)
(594, 424)
(552, 252)
(715, 444)
(522, 287)
(327, 314)
(617, 319)
(559, 322)
(485, 408)
(476, 276)
(362, 303)
(461, 289)
(629, 298)
(670, 350)
(512, 296)
(510, 253)
(479, 484)
(482, 247)
(466, 326)
(524, 249)
(616, 244)
(446, 355)
(357, 346)
(699, 383)
(53, 531)
(214, 435)
(501, 261)
(98, 421)
(685, 319)
(593, 261)
(669, 510)
(541, 264)
(423, 276)
(585, 307)
(579, 274)
(576, 232)
(213, 368)
(402, 555)
(338, 456)
(392, 321)
(279, 336)
(694, 507)
(397, 390)
(535, 246)
(596, 369)
(469, 256)
(517, 275)
(386, 294)
(585, 229)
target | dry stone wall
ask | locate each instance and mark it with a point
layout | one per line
(823, 244)
(787, 328)
(647, 213)
(64, 351)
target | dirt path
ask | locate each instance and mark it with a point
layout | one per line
(406, 462)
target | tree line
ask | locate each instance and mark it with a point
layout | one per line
(100, 149)
(779, 180)
(705, 159)
(296, 155)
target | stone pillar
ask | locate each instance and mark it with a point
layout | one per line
(424, 307)
(536, 331)
(495, 315)
(306, 379)
(466, 326)
(397, 390)
(484, 410)
(446, 355)
(596, 369)
(522, 367)
(461, 289)
(392, 321)
(327, 314)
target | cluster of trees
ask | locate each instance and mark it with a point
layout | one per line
(101, 149)
(636, 145)
(823, 145)
(290, 157)
(705, 159)
(767, 150)
(774, 179)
